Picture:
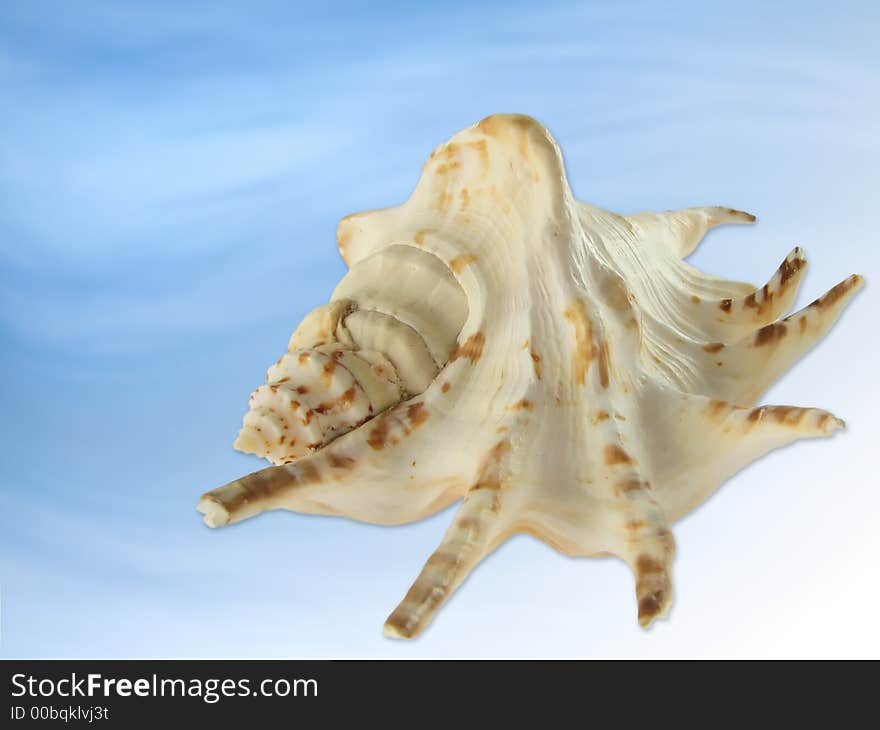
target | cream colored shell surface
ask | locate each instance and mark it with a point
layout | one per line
(557, 367)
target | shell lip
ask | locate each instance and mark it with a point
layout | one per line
(215, 513)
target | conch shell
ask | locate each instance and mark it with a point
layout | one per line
(555, 366)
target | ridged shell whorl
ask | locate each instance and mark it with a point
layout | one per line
(389, 328)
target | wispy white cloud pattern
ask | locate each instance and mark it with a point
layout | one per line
(171, 175)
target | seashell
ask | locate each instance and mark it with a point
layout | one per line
(555, 366)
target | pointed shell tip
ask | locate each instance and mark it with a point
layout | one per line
(393, 632)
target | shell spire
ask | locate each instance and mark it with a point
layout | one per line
(556, 367)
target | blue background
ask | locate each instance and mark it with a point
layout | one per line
(171, 176)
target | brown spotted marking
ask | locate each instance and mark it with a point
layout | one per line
(522, 405)
(459, 262)
(327, 371)
(652, 584)
(522, 122)
(716, 407)
(726, 304)
(536, 363)
(713, 346)
(445, 387)
(482, 150)
(465, 197)
(445, 562)
(489, 126)
(603, 364)
(830, 297)
(498, 451)
(790, 268)
(600, 416)
(782, 413)
(469, 523)
(442, 169)
(630, 486)
(259, 485)
(695, 299)
(303, 357)
(347, 398)
(585, 347)
(523, 146)
(664, 536)
(337, 461)
(310, 473)
(302, 389)
(802, 323)
(417, 414)
(378, 434)
(488, 476)
(646, 565)
(419, 236)
(614, 455)
(472, 348)
(769, 334)
(649, 606)
(442, 200)
(822, 419)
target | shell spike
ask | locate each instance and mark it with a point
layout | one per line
(257, 492)
(475, 531)
(687, 227)
(343, 479)
(771, 350)
(700, 442)
(767, 303)
(648, 544)
(653, 587)
(465, 544)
